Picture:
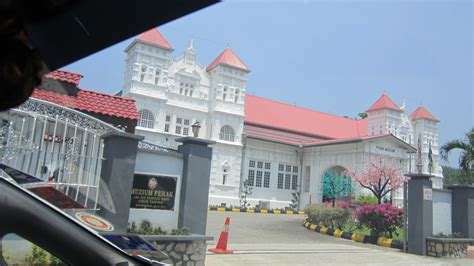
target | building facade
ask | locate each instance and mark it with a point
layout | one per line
(280, 149)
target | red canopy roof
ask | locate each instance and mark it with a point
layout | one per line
(228, 58)
(87, 100)
(284, 117)
(384, 102)
(422, 113)
(65, 76)
(91, 101)
(153, 36)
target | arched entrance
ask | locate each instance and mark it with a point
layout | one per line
(336, 185)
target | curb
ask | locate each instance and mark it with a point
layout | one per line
(248, 210)
(381, 241)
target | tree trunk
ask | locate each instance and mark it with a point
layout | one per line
(333, 202)
(379, 199)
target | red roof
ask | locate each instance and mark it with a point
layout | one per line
(91, 101)
(384, 102)
(153, 36)
(228, 58)
(422, 113)
(66, 76)
(280, 136)
(284, 117)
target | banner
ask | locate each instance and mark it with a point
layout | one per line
(153, 192)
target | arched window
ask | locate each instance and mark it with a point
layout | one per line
(227, 133)
(225, 172)
(146, 119)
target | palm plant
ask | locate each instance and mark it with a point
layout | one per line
(466, 159)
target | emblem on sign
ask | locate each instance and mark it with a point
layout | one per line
(152, 183)
(94, 222)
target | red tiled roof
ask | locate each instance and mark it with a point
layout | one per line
(91, 101)
(153, 36)
(422, 113)
(281, 116)
(66, 76)
(228, 58)
(384, 102)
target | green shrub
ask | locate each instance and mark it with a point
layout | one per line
(40, 256)
(453, 235)
(180, 231)
(146, 228)
(364, 199)
(328, 216)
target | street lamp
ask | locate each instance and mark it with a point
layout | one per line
(195, 127)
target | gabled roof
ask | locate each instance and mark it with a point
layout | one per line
(279, 136)
(65, 76)
(422, 113)
(284, 117)
(153, 37)
(399, 142)
(384, 102)
(228, 58)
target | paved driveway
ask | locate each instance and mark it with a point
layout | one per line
(271, 239)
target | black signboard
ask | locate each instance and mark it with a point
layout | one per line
(153, 192)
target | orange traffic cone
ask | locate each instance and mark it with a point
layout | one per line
(221, 247)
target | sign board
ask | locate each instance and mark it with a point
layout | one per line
(427, 194)
(153, 192)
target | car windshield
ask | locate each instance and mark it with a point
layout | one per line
(266, 132)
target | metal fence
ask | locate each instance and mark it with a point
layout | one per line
(59, 145)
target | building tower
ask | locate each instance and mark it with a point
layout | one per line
(147, 62)
(228, 77)
(425, 127)
(384, 117)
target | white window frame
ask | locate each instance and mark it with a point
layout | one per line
(287, 176)
(146, 119)
(227, 133)
(259, 173)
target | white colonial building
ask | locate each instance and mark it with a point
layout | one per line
(278, 147)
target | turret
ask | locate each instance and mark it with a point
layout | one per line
(384, 117)
(229, 77)
(148, 58)
(425, 127)
(228, 74)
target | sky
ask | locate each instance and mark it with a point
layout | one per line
(331, 56)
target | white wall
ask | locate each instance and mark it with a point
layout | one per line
(442, 202)
(166, 164)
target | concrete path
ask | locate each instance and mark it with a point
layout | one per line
(271, 239)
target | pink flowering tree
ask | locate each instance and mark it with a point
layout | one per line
(380, 177)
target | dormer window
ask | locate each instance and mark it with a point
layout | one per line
(224, 95)
(135, 70)
(143, 73)
(237, 95)
(186, 87)
(157, 76)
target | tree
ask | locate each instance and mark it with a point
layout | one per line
(363, 115)
(245, 191)
(295, 201)
(335, 184)
(466, 159)
(380, 178)
(456, 176)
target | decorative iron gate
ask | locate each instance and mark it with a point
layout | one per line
(59, 145)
